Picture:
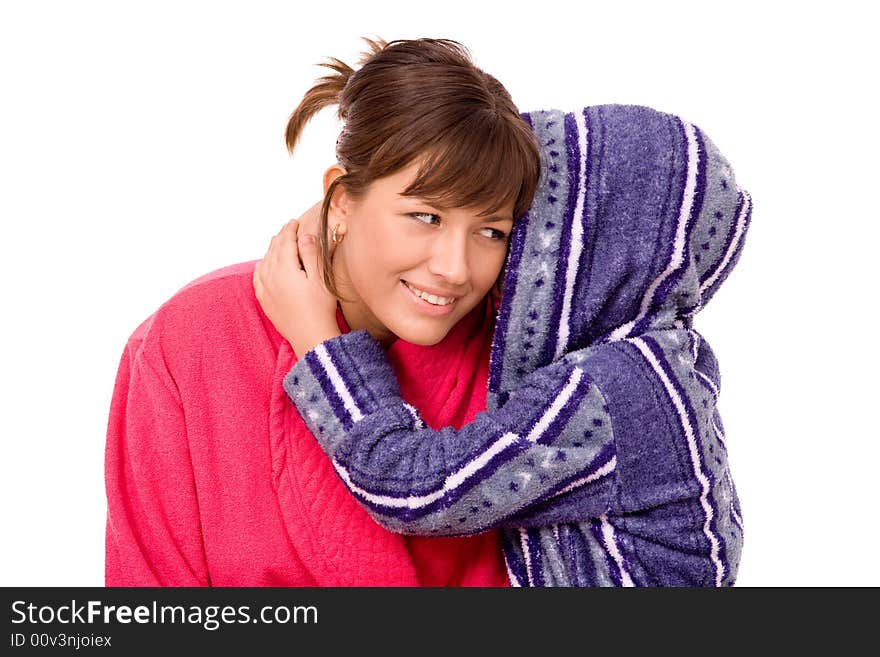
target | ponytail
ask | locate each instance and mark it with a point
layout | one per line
(327, 91)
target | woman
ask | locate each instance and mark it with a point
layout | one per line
(212, 477)
(602, 454)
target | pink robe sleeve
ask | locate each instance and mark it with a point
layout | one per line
(153, 535)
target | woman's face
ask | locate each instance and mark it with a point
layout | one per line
(398, 250)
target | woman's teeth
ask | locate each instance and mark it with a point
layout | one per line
(430, 298)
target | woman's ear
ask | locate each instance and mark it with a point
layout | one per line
(339, 202)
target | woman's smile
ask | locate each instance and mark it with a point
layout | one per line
(429, 304)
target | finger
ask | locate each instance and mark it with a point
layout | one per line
(283, 248)
(288, 247)
(273, 254)
(290, 250)
(291, 225)
(308, 253)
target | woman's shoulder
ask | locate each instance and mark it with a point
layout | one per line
(219, 303)
(218, 280)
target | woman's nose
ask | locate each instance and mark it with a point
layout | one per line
(449, 259)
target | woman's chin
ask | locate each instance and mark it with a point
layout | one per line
(421, 338)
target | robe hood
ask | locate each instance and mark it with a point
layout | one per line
(637, 222)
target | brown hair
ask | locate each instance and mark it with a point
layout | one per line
(424, 98)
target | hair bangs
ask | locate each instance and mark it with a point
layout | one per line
(480, 163)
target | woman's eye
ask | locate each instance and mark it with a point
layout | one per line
(495, 234)
(417, 215)
(431, 219)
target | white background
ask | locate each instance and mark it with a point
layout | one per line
(141, 145)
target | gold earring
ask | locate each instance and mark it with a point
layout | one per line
(336, 238)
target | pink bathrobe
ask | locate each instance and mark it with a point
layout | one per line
(213, 478)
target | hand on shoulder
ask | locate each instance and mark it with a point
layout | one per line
(290, 289)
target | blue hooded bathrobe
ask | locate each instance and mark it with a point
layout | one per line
(602, 454)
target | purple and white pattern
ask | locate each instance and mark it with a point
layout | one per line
(601, 455)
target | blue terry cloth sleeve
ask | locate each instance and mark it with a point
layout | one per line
(415, 480)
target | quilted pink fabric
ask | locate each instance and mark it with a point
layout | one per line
(213, 479)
